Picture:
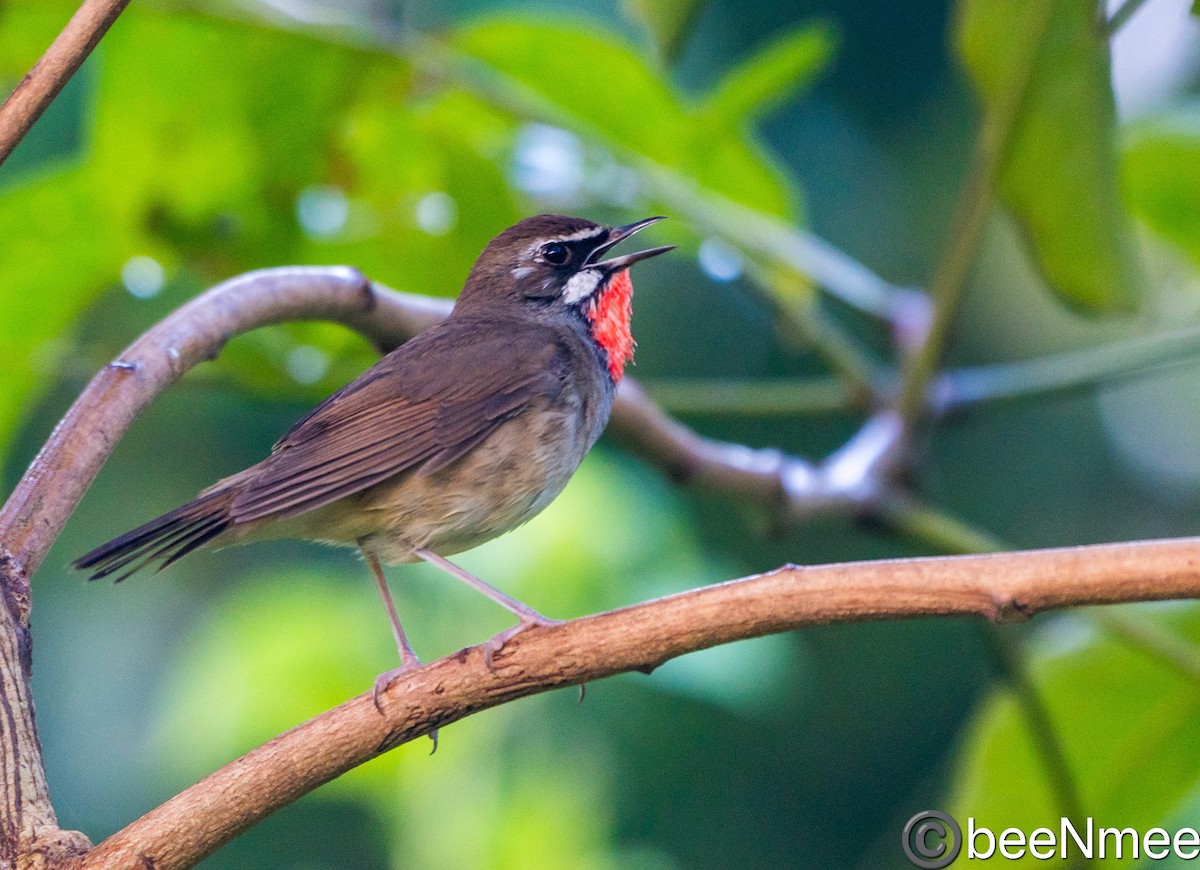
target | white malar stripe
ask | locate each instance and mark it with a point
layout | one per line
(582, 285)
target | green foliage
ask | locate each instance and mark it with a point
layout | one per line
(789, 63)
(666, 21)
(1136, 769)
(618, 99)
(1048, 61)
(1161, 174)
(35, 219)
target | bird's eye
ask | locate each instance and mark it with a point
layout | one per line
(556, 253)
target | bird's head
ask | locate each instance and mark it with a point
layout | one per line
(553, 266)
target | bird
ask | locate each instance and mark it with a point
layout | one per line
(457, 436)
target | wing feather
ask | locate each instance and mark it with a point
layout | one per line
(422, 406)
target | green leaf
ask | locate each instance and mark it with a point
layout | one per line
(1161, 175)
(55, 262)
(667, 21)
(771, 74)
(618, 100)
(1132, 769)
(1059, 171)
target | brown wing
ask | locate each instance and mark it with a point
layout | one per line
(423, 405)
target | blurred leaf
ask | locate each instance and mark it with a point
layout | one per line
(257, 134)
(26, 30)
(785, 65)
(59, 250)
(1161, 175)
(1128, 723)
(620, 101)
(667, 21)
(1059, 175)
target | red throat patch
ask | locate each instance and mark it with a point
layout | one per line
(609, 314)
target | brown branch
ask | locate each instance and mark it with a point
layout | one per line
(55, 68)
(1000, 587)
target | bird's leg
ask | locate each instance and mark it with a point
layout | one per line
(408, 658)
(529, 617)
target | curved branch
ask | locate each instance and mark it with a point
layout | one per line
(64, 56)
(998, 587)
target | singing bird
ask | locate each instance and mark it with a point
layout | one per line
(457, 436)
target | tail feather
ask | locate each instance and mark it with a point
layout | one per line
(165, 539)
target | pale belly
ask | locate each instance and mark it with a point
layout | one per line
(503, 482)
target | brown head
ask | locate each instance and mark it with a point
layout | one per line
(552, 266)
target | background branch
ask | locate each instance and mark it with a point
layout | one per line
(949, 279)
(999, 587)
(55, 68)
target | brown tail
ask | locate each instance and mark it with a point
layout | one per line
(166, 539)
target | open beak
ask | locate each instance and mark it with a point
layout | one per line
(619, 234)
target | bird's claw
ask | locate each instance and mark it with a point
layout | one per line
(493, 646)
(384, 680)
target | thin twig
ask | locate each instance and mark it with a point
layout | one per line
(1009, 662)
(950, 392)
(40, 505)
(1071, 370)
(1121, 17)
(753, 398)
(998, 587)
(1152, 639)
(948, 533)
(64, 56)
(975, 203)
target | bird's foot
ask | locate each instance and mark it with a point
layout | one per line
(530, 619)
(384, 680)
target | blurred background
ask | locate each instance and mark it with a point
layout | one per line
(204, 139)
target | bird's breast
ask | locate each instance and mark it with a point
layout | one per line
(496, 486)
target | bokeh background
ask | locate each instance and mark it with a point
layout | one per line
(204, 139)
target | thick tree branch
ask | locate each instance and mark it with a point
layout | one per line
(55, 68)
(999, 587)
